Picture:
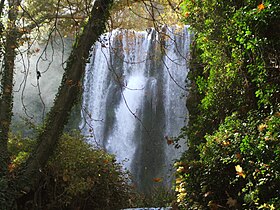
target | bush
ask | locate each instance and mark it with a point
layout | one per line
(233, 156)
(238, 167)
(235, 61)
(77, 176)
(158, 196)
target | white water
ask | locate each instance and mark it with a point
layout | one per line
(133, 100)
(121, 141)
(174, 95)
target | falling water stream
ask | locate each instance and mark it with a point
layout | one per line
(134, 99)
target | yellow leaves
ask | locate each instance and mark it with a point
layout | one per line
(267, 206)
(261, 127)
(11, 167)
(106, 161)
(180, 169)
(21, 42)
(180, 197)
(240, 171)
(180, 189)
(207, 194)
(24, 30)
(157, 179)
(179, 180)
(181, 193)
(187, 14)
(169, 140)
(261, 7)
(176, 164)
(225, 143)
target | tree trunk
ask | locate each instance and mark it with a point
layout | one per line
(67, 95)
(6, 99)
(1, 13)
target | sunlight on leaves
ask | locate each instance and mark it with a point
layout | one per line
(261, 7)
(240, 171)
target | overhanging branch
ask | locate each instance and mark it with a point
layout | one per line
(66, 97)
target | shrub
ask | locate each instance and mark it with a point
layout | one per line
(233, 156)
(238, 167)
(158, 196)
(77, 176)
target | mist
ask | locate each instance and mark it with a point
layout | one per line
(38, 72)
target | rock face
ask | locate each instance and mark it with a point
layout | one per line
(134, 99)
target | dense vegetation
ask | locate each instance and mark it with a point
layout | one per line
(234, 104)
(76, 176)
(31, 176)
(27, 176)
(233, 132)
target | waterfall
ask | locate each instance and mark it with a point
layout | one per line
(134, 99)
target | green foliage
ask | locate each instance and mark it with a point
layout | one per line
(56, 17)
(238, 167)
(237, 45)
(19, 149)
(158, 196)
(126, 14)
(76, 176)
(83, 176)
(232, 162)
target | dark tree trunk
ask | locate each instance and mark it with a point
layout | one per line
(1, 13)
(6, 99)
(67, 95)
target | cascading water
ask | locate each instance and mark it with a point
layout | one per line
(134, 102)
